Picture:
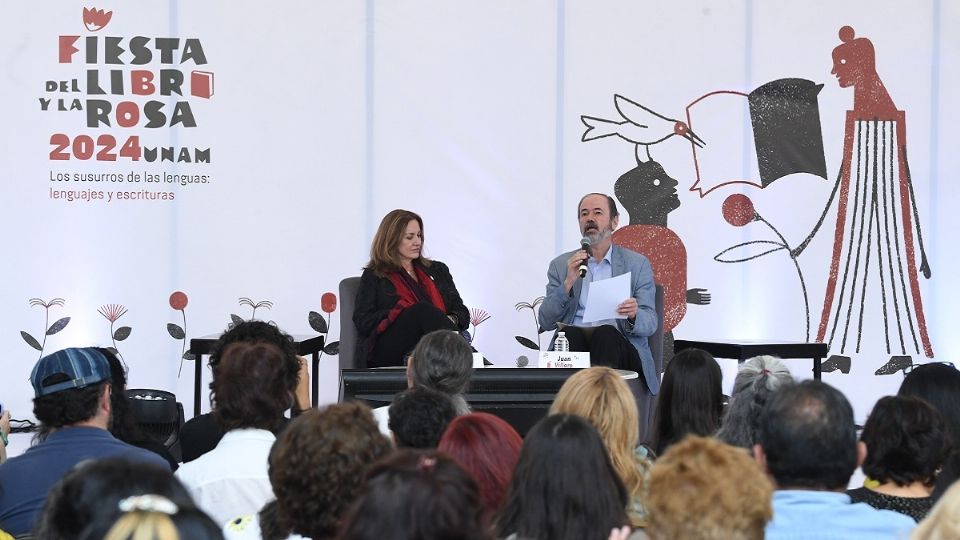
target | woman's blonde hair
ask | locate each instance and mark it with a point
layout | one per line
(143, 526)
(384, 257)
(943, 521)
(703, 489)
(600, 396)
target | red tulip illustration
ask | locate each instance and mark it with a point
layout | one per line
(95, 19)
(178, 301)
(328, 304)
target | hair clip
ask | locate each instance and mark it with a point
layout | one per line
(148, 503)
(426, 464)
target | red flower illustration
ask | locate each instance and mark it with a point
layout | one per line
(112, 312)
(328, 302)
(178, 300)
(95, 19)
(738, 210)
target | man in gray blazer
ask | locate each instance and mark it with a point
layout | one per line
(618, 343)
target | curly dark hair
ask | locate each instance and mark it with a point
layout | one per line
(252, 386)
(316, 470)
(67, 407)
(416, 495)
(256, 332)
(905, 441)
(419, 416)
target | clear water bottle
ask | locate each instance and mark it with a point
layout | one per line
(560, 344)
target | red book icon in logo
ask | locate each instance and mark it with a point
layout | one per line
(201, 84)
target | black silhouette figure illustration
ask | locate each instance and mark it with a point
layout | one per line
(639, 125)
(649, 194)
(872, 291)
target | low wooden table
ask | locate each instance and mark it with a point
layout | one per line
(305, 345)
(744, 349)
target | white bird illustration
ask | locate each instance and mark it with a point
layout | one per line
(640, 125)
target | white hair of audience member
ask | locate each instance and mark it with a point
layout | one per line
(756, 380)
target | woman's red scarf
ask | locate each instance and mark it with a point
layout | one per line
(408, 297)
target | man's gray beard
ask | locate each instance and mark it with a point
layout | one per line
(599, 236)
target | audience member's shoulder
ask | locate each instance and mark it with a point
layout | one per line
(140, 454)
(199, 435)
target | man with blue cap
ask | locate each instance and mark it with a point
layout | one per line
(72, 400)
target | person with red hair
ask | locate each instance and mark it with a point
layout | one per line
(487, 447)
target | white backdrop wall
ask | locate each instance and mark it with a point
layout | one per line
(326, 115)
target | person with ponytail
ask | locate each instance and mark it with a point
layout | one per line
(153, 517)
(758, 378)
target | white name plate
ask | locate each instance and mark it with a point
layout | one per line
(477, 360)
(553, 359)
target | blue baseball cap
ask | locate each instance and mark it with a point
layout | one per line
(81, 366)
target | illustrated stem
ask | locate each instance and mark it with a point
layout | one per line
(46, 324)
(114, 340)
(536, 326)
(803, 285)
(183, 349)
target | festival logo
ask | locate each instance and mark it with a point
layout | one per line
(128, 97)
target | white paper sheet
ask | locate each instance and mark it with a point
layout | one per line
(604, 297)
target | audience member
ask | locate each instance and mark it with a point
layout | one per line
(702, 489)
(564, 486)
(96, 487)
(316, 469)
(756, 380)
(122, 424)
(441, 361)
(416, 495)
(153, 517)
(807, 442)
(600, 396)
(487, 448)
(943, 522)
(418, 417)
(939, 385)
(905, 449)
(4, 433)
(72, 389)
(202, 433)
(690, 399)
(253, 384)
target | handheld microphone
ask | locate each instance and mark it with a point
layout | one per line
(585, 244)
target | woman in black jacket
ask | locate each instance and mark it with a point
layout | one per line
(403, 295)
